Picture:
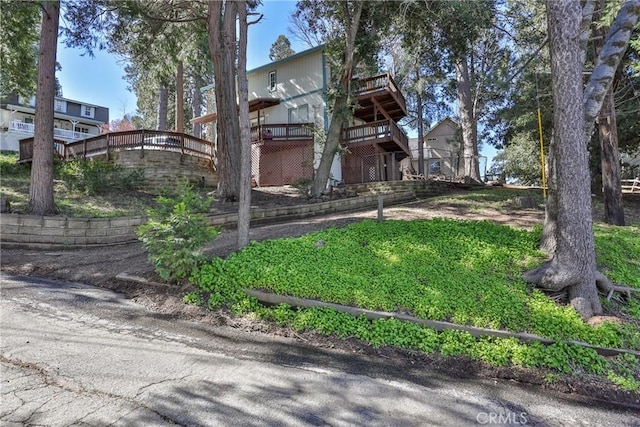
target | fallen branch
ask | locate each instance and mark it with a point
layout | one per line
(269, 298)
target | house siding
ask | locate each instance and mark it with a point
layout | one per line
(17, 109)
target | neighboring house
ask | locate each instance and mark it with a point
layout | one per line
(288, 111)
(73, 120)
(441, 149)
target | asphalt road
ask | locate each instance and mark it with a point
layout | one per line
(73, 354)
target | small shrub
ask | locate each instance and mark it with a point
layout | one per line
(98, 176)
(176, 232)
(9, 166)
(303, 185)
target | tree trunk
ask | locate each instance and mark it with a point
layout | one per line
(573, 265)
(222, 45)
(340, 108)
(163, 107)
(196, 105)
(548, 241)
(468, 123)
(609, 58)
(611, 184)
(41, 185)
(244, 205)
(180, 97)
(608, 136)
(420, 126)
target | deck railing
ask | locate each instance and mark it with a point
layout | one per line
(379, 82)
(18, 126)
(382, 131)
(282, 132)
(128, 140)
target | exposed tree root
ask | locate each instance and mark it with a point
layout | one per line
(551, 278)
(607, 287)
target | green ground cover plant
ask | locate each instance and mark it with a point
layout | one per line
(465, 272)
(94, 189)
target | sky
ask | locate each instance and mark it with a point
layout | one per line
(99, 80)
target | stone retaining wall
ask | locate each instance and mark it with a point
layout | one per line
(39, 232)
(26, 231)
(162, 167)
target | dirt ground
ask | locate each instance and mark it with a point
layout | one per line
(100, 266)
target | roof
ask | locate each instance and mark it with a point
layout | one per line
(442, 122)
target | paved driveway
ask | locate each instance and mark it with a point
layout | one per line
(73, 354)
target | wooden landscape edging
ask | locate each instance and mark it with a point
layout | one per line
(439, 326)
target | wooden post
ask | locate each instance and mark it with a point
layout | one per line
(380, 207)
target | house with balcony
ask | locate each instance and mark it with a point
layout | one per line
(289, 114)
(73, 120)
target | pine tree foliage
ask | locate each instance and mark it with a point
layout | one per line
(280, 49)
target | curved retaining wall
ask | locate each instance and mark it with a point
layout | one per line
(36, 232)
(163, 167)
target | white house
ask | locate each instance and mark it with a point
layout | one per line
(73, 120)
(288, 111)
(441, 149)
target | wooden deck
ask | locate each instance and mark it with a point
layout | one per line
(282, 134)
(379, 97)
(384, 133)
(102, 145)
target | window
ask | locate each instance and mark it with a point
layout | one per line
(293, 115)
(87, 111)
(272, 81)
(434, 167)
(31, 102)
(299, 114)
(82, 129)
(303, 114)
(60, 106)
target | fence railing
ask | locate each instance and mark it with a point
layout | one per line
(18, 126)
(631, 186)
(282, 132)
(382, 130)
(128, 140)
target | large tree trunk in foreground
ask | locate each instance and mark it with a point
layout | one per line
(222, 45)
(41, 185)
(468, 122)
(573, 264)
